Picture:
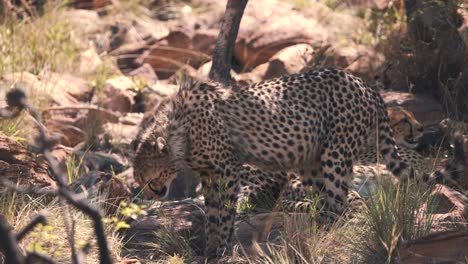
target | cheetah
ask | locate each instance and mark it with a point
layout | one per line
(407, 132)
(314, 123)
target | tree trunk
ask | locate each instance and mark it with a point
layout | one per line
(222, 53)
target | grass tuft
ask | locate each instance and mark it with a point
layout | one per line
(392, 215)
(37, 44)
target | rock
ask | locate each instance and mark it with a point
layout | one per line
(39, 88)
(118, 35)
(426, 110)
(443, 247)
(186, 218)
(178, 37)
(127, 55)
(204, 40)
(180, 220)
(108, 188)
(90, 28)
(157, 92)
(19, 165)
(120, 134)
(119, 93)
(451, 211)
(145, 74)
(289, 60)
(63, 155)
(166, 60)
(149, 29)
(77, 123)
(361, 60)
(91, 4)
(102, 162)
(78, 88)
(269, 26)
(89, 61)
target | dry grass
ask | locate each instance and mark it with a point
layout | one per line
(19, 209)
(37, 44)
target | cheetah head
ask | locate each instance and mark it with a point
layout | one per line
(153, 168)
(407, 130)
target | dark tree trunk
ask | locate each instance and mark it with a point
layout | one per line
(222, 54)
(440, 55)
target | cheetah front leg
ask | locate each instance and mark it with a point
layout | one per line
(336, 168)
(211, 212)
(220, 201)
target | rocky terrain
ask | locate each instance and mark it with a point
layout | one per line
(120, 58)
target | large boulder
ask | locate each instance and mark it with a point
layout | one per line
(174, 51)
(292, 59)
(267, 27)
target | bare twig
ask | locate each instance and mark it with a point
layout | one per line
(17, 98)
(224, 48)
(8, 244)
(34, 257)
(39, 219)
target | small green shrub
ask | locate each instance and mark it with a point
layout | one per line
(393, 214)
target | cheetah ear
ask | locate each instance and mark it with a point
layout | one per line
(161, 143)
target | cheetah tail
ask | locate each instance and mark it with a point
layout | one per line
(453, 171)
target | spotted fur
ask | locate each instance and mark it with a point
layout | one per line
(314, 124)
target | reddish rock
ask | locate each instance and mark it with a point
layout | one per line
(451, 211)
(204, 40)
(445, 247)
(19, 165)
(145, 73)
(426, 110)
(292, 59)
(76, 122)
(268, 27)
(90, 4)
(43, 86)
(127, 55)
(359, 59)
(166, 60)
(118, 94)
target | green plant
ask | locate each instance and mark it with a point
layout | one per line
(44, 240)
(12, 128)
(381, 23)
(171, 243)
(393, 214)
(74, 170)
(100, 79)
(35, 44)
(126, 210)
(245, 206)
(303, 240)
